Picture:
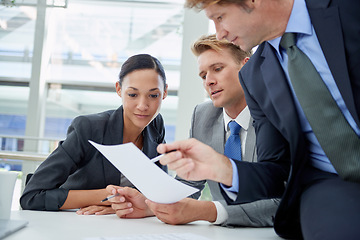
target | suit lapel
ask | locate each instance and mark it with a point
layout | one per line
(327, 25)
(250, 150)
(217, 142)
(113, 135)
(208, 126)
(282, 103)
(151, 143)
(114, 129)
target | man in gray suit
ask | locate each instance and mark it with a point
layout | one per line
(219, 63)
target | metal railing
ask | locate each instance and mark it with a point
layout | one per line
(15, 153)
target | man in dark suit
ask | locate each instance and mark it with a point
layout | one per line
(319, 201)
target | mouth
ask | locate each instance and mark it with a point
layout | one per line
(141, 116)
(233, 41)
(215, 92)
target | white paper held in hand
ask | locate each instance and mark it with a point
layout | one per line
(148, 178)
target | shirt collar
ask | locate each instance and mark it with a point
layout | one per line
(242, 119)
(304, 26)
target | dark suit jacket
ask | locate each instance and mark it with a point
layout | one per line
(279, 136)
(77, 165)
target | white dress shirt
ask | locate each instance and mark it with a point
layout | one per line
(243, 119)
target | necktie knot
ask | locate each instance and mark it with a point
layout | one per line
(288, 40)
(234, 128)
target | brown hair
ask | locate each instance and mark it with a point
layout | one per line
(201, 4)
(209, 42)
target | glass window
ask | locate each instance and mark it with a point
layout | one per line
(88, 41)
(17, 26)
(91, 39)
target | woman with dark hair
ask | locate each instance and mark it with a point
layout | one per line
(75, 174)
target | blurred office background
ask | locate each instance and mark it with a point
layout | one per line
(61, 58)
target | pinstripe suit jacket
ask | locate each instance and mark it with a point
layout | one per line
(208, 127)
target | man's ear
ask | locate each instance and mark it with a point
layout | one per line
(245, 60)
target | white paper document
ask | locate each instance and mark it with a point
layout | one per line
(147, 177)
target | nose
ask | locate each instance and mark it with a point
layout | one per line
(143, 103)
(221, 33)
(210, 80)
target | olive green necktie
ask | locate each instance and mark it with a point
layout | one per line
(336, 137)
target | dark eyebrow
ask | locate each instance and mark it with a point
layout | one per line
(151, 90)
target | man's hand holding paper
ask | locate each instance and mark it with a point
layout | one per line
(194, 160)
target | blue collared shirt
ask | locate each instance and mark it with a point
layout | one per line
(308, 43)
(243, 119)
(300, 23)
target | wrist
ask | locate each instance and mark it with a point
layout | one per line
(149, 213)
(225, 173)
(102, 194)
(208, 212)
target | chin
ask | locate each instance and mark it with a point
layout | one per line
(141, 123)
(217, 104)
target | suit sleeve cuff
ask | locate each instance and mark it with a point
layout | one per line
(222, 214)
(55, 198)
(235, 182)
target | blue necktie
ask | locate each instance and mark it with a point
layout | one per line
(233, 143)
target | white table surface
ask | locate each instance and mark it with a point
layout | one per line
(69, 225)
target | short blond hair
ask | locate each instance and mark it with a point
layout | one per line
(209, 42)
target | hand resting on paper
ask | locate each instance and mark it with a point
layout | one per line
(185, 211)
(129, 202)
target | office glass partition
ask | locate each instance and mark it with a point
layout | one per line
(91, 40)
(17, 28)
(88, 41)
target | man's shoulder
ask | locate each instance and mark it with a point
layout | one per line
(206, 120)
(207, 107)
(258, 54)
(206, 104)
(253, 71)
